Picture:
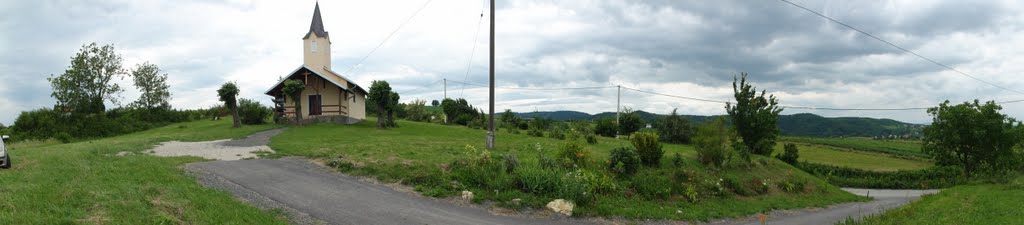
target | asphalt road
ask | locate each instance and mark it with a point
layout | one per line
(884, 199)
(311, 194)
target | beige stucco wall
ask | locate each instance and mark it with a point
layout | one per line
(331, 98)
(319, 59)
(357, 108)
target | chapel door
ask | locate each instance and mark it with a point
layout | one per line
(315, 108)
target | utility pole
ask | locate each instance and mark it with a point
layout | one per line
(618, 109)
(490, 129)
(445, 89)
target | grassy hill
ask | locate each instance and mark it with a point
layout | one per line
(980, 204)
(439, 160)
(802, 124)
(86, 183)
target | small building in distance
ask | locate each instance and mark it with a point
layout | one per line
(328, 96)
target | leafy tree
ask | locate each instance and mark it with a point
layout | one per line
(713, 143)
(675, 129)
(629, 122)
(972, 135)
(227, 93)
(458, 111)
(386, 102)
(252, 112)
(605, 127)
(293, 90)
(88, 81)
(417, 110)
(755, 117)
(153, 85)
(435, 103)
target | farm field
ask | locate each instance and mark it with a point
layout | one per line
(837, 156)
(85, 183)
(966, 204)
(895, 147)
(422, 155)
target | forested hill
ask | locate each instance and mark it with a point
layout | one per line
(803, 124)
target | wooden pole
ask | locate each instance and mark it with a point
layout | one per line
(490, 129)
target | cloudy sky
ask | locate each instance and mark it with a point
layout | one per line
(682, 48)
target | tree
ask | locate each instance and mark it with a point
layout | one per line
(153, 85)
(605, 127)
(88, 81)
(252, 112)
(791, 154)
(227, 93)
(713, 142)
(293, 90)
(675, 129)
(417, 110)
(754, 117)
(629, 122)
(385, 101)
(647, 145)
(435, 103)
(458, 111)
(972, 135)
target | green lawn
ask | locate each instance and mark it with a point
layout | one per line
(421, 154)
(836, 156)
(905, 148)
(991, 204)
(84, 183)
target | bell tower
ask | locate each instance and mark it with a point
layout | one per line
(316, 44)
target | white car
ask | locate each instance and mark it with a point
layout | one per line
(5, 160)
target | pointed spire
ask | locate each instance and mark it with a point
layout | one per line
(317, 26)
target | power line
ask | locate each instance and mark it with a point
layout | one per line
(900, 48)
(476, 37)
(424, 86)
(538, 89)
(676, 96)
(388, 37)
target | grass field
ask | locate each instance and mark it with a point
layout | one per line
(416, 153)
(991, 204)
(905, 148)
(837, 156)
(84, 183)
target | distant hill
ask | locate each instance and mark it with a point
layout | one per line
(802, 124)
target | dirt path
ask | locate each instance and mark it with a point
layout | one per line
(220, 149)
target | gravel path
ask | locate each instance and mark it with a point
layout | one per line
(885, 199)
(219, 149)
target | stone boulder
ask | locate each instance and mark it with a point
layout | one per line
(561, 206)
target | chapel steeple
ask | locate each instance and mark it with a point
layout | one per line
(317, 44)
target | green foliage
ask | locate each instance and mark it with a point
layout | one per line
(535, 131)
(386, 102)
(629, 122)
(459, 111)
(293, 89)
(510, 161)
(713, 143)
(45, 123)
(417, 111)
(755, 117)
(152, 85)
(623, 161)
(252, 112)
(227, 93)
(677, 160)
(435, 103)
(972, 136)
(648, 147)
(652, 186)
(791, 155)
(902, 148)
(935, 177)
(605, 127)
(557, 132)
(88, 81)
(591, 138)
(574, 153)
(675, 129)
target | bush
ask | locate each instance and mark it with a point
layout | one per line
(605, 127)
(557, 133)
(734, 184)
(791, 155)
(510, 161)
(652, 186)
(677, 160)
(252, 112)
(648, 147)
(574, 153)
(675, 129)
(934, 177)
(623, 161)
(535, 131)
(538, 180)
(713, 143)
(591, 138)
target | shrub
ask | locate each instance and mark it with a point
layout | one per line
(574, 153)
(510, 162)
(713, 143)
(535, 131)
(675, 129)
(575, 188)
(734, 184)
(623, 161)
(538, 180)
(630, 122)
(648, 147)
(713, 188)
(934, 177)
(677, 160)
(252, 112)
(791, 155)
(557, 133)
(591, 138)
(605, 127)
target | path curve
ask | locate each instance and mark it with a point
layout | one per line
(884, 199)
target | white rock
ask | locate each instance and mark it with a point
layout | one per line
(467, 195)
(561, 206)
